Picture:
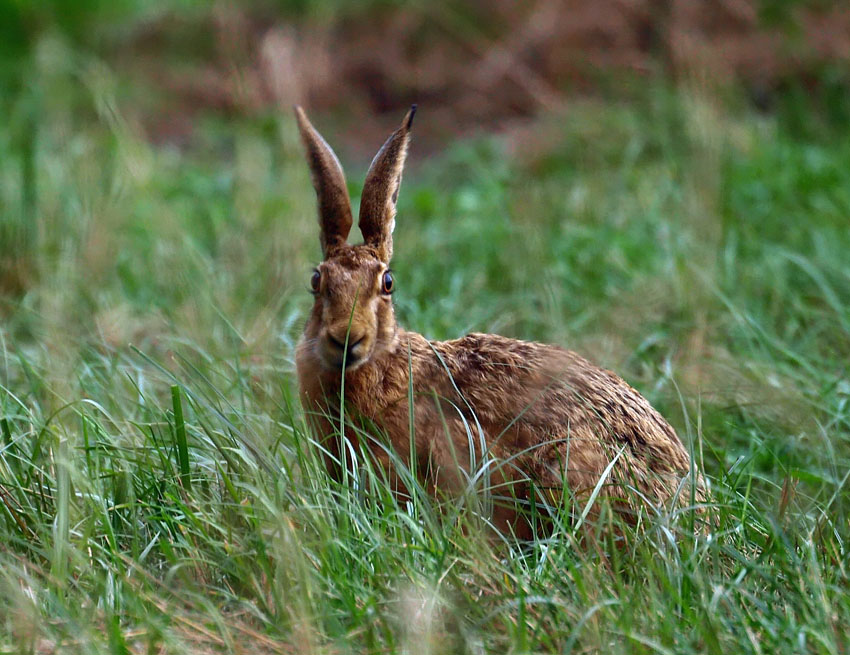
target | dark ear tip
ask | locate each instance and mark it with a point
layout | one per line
(408, 120)
(300, 117)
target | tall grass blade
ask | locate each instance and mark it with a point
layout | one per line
(180, 438)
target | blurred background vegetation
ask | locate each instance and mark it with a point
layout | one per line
(663, 186)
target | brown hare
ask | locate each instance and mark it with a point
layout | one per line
(537, 420)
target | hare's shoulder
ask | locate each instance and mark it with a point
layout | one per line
(548, 385)
(512, 370)
(485, 355)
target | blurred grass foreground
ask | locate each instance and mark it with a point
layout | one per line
(661, 186)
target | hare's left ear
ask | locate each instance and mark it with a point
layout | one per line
(380, 191)
(329, 182)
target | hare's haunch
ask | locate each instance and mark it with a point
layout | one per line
(540, 415)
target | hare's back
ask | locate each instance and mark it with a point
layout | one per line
(532, 393)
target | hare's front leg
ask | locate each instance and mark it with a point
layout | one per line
(328, 439)
(458, 463)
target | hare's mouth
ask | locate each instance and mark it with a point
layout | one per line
(338, 355)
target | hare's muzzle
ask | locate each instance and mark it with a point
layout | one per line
(339, 352)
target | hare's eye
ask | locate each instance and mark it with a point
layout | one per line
(387, 283)
(314, 281)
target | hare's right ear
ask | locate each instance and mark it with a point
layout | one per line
(329, 181)
(380, 191)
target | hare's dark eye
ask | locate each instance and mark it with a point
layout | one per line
(387, 283)
(314, 281)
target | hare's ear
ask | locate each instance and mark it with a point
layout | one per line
(329, 182)
(380, 191)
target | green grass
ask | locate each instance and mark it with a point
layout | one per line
(159, 491)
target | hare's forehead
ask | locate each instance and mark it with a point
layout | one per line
(351, 268)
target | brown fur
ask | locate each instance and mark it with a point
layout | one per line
(380, 190)
(329, 182)
(538, 413)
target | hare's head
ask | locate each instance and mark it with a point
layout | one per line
(352, 319)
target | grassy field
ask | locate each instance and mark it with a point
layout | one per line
(159, 491)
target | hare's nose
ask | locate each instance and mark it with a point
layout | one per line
(353, 340)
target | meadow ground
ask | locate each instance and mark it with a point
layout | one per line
(158, 489)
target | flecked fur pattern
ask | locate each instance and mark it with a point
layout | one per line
(543, 419)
